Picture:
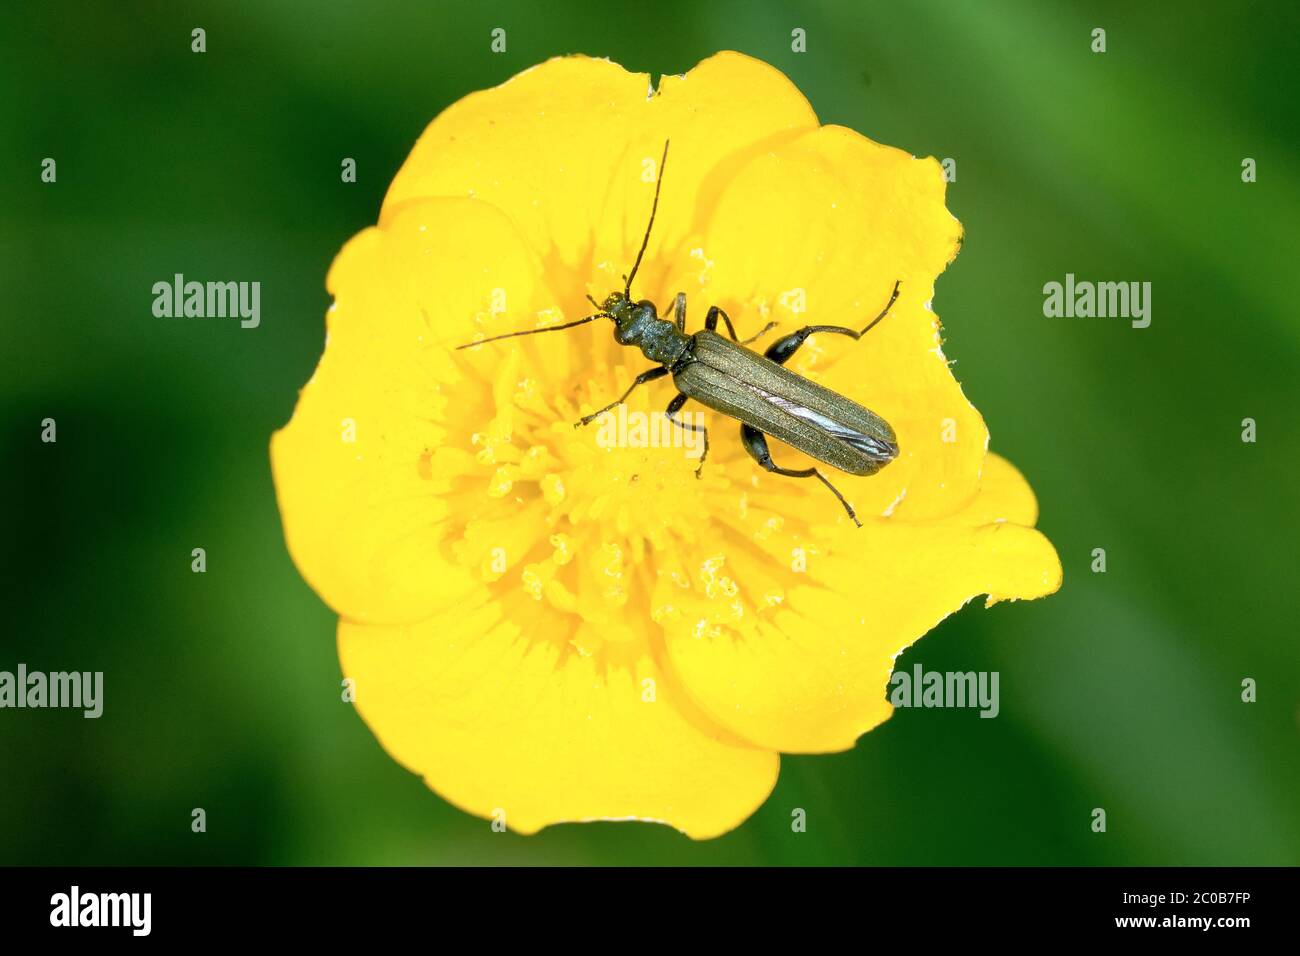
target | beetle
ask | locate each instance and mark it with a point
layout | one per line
(724, 374)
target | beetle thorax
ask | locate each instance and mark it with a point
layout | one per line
(639, 325)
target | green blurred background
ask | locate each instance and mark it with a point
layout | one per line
(1122, 692)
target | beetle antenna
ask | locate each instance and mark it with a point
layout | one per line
(549, 328)
(627, 286)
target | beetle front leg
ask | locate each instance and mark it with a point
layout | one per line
(674, 407)
(679, 311)
(647, 376)
(755, 443)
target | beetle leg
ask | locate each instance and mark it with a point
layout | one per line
(674, 407)
(679, 311)
(782, 349)
(755, 443)
(760, 333)
(711, 324)
(647, 376)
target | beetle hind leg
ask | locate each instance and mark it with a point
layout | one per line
(755, 443)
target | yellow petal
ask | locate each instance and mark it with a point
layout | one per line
(809, 673)
(506, 723)
(570, 150)
(367, 472)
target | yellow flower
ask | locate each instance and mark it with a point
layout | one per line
(548, 629)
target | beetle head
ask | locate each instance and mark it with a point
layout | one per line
(617, 305)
